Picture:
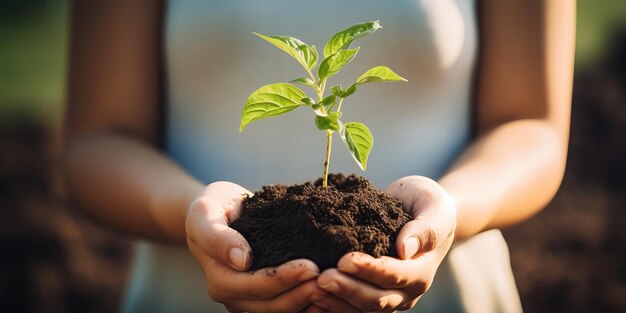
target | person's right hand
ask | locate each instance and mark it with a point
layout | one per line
(225, 256)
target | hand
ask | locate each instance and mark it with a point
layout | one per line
(224, 255)
(364, 283)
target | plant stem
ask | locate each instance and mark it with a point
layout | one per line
(310, 75)
(329, 140)
(339, 106)
(329, 137)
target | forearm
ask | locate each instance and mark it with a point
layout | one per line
(128, 186)
(507, 175)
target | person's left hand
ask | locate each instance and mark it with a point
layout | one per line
(362, 283)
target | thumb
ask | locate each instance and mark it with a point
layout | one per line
(419, 235)
(207, 225)
(433, 211)
(431, 229)
(229, 247)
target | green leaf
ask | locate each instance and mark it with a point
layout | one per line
(303, 81)
(307, 101)
(330, 100)
(331, 121)
(350, 90)
(271, 100)
(359, 141)
(333, 64)
(379, 74)
(307, 56)
(315, 55)
(343, 39)
(319, 110)
(337, 91)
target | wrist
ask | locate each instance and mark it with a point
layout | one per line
(169, 208)
(472, 212)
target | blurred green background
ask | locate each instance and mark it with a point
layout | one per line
(33, 37)
(569, 258)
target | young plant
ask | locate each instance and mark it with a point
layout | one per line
(280, 98)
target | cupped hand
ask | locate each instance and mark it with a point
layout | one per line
(225, 256)
(362, 283)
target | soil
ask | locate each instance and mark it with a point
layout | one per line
(283, 223)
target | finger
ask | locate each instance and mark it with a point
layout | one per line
(224, 283)
(232, 310)
(359, 293)
(417, 237)
(433, 211)
(332, 303)
(315, 309)
(432, 229)
(207, 225)
(391, 273)
(293, 300)
(415, 192)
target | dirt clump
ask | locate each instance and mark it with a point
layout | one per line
(283, 223)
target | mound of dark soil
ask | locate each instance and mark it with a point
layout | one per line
(283, 223)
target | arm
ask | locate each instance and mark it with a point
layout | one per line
(524, 90)
(116, 174)
(508, 173)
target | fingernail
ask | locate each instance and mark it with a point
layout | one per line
(238, 258)
(410, 247)
(349, 268)
(332, 286)
(308, 275)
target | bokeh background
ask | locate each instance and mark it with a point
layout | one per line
(569, 258)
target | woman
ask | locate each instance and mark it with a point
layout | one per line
(486, 111)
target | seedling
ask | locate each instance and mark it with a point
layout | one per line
(280, 98)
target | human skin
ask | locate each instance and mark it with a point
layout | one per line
(118, 176)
